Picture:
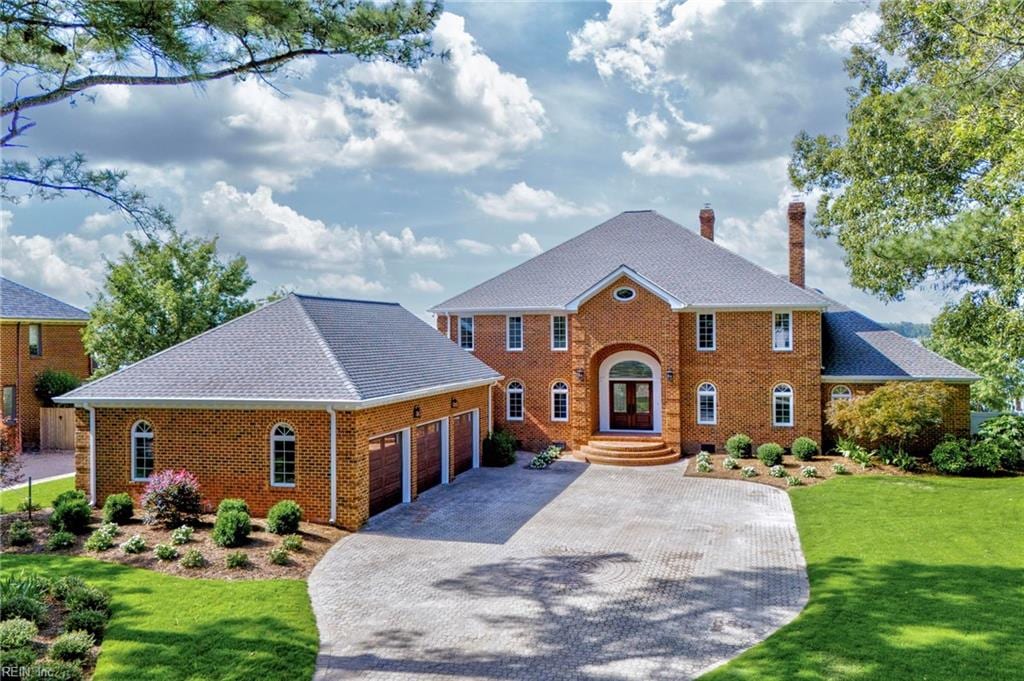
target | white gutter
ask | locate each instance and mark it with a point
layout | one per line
(334, 465)
(92, 455)
(888, 379)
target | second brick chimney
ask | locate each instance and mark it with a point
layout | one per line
(796, 214)
(707, 222)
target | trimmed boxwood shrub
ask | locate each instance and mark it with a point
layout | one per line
(16, 658)
(740, 446)
(165, 552)
(60, 588)
(233, 505)
(292, 542)
(770, 453)
(72, 645)
(87, 598)
(499, 449)
(237, 559)
(804, 448)
(17, 632)
(284, 517)
(61, 539)
(71, 512)
(231, 528)
(92, 621)
(118, 508)
(950, 455)
(20, 533)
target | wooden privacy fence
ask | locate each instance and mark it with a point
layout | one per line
(56, 428)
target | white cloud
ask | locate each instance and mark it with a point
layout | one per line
(663, 149)
(96, 223)
(474, 247)
(524, 203)
(418, 282)
(332, 283)
(859, 29)
(525, 244)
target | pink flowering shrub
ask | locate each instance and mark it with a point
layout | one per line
(172, 498)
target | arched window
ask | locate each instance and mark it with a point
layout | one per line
(782, 405)
(707, 404)
(631, 368)
(841, 392)
(560, 401)
(142, 451)
(282, 456)
(514, 403)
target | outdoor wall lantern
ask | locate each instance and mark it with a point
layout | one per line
(455, 402)
(416, 412)
(670, 375)
(579, 374)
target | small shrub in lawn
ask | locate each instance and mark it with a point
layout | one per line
(88, 598)
(950, 455)
(102, 538)
(92, 621)
(284, 517)
(72, 645)
(20, 533)
(65, 585)
(58, 670)
(839, 469)
(172, 498)
(292, 542)
(793, 481)
(17, 659)
(809, 472)
(777, 471)
(749, 472)
(15, 633)
(278, 555)
(192, 559)
(704, 466)
(61, 539)
(118, 508)
(182, 535)
(237, 559)
(165, 552)
(232, 528)
(804, 448)
(72, 514)
(770, 453)
(134, 544)
(740, 446)
(233, 505)
(730, 463)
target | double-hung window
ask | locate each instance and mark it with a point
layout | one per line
(707, 404)
(560, 401)
(782, 331)
(782, 405)
(466, 333)
(282, 456)
(143, 460)
(514, 403)
(559, 332)
(706, 331)
(514, 333)
(10, 404)
(35, 340)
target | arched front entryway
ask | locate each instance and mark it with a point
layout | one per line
(629, 393)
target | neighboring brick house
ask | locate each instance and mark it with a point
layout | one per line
(639, 339)
(37, 332)
(347, 407)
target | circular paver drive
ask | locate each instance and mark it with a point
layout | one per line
(574, 572)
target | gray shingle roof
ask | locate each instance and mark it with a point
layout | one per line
(301, 348)
(684, 264)
(857, 346)
(21, 302)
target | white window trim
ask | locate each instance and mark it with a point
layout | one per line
(472, 333)
(832, 393)
(554, 348)
(147, 436)
(560, 392)
(276, 438)
(714, 394)
(714, 331)
(508, 334)
(508, 402)
(623, 288)
(792, 401)
(776, 348)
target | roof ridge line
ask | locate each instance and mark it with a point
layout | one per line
(322, 342)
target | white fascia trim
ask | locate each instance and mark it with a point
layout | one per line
(33, 320)
(623, 270)
(889, 379)
(747, 307)
(469, 311)
(250, 403)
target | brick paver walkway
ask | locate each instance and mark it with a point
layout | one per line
(577, 572)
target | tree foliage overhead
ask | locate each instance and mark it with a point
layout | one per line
(927, 184)
(54, 51)
(160, 294)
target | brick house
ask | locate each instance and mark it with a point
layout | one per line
(639, 339)
(348, 407)
(37, 332)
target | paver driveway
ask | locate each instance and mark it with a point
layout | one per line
(574, 572)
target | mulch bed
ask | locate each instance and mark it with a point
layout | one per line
(822, 462)
(316, 540)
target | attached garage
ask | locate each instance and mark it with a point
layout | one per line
(385, 472)
(428, 456)
(464, 438)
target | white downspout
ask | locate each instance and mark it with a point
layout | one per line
(334, 465)
(92, 455)
(490, 416)
(448, 322)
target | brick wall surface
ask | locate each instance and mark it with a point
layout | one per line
(229, 451)
(62, 350)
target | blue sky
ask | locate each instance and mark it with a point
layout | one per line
(371, 181)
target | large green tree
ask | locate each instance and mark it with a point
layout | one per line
(926, 187)
(160, 293)
(54, 52)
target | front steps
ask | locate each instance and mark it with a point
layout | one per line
(622, 450)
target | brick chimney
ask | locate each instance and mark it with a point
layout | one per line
(707, 222)
(796, 214)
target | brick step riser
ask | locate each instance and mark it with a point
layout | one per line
(627, 454)
(626, 446)
(623, 461)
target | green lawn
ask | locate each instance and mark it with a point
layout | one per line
(911, 578)
(166, 627)
(42, 494)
